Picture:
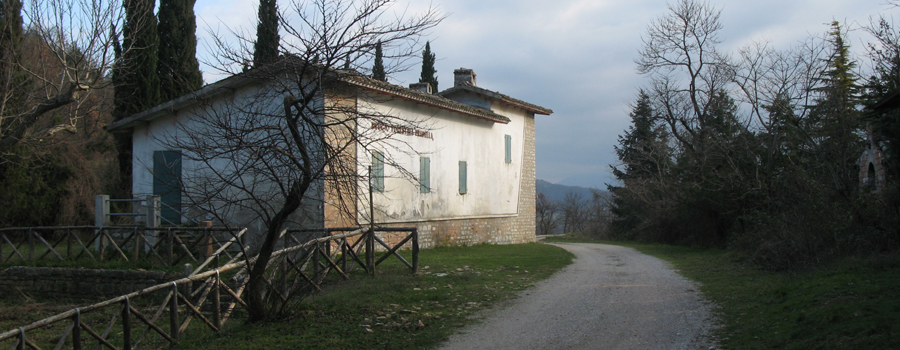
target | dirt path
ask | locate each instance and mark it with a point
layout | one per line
(611, 297)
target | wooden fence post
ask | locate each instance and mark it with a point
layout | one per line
(101, 215)
(76, 331)
(217, 298)
(173, 312)
(137, 244)
(126, 324)
(30, 245)
(170, 236)
(415, 250)
(102, 240)
(69, 243)
(153, 207)
(21, 344)
(315, 259)
(343, 254)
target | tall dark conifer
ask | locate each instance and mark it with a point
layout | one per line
(10, 46)
(134, 76)
(837, 119)
(265, 50)
(378, 68)
(137, 83)
(178, 69)
(643, 151)
(428, 72)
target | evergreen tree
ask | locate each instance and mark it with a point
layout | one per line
(177, 67)
(10, 29)
(134, 76)
(136, 80)
(428, 72)
(643, 152)
(265, 50)
(378, 68)
(637, 146)
(836, 118)
(11, 76)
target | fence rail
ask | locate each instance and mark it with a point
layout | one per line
(138, 318)
(170, 246)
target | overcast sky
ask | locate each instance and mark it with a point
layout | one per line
(574, 57)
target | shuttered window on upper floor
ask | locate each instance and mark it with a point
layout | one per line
(424, 175)
(463, 183)
(508, 143)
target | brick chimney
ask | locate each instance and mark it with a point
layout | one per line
(421, 86)
(463, 76)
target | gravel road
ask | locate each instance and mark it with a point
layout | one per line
(611, 297)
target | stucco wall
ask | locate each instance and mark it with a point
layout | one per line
(493, 186)
(519, 228)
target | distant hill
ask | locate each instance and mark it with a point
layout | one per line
(555, 192)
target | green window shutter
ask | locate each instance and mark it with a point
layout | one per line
(462, 178)
(424, 175)
(377, 172)
(508, 149)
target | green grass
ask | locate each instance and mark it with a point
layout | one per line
(396, 309)
(572, 238)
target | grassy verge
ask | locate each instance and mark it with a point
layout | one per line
(852, 304)
(398, 310)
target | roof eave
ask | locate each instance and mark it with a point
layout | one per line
(499, 97)
(428, 100)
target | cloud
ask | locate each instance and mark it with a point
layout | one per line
(575, 57)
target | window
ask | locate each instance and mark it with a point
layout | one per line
(424, 175)
(508, 149)
(377, 176)
(462, 177)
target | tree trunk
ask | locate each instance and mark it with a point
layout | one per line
(256, 287)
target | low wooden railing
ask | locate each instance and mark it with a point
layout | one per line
(170, 246)
(294, 271)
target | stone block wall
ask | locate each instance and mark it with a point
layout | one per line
(78, 283)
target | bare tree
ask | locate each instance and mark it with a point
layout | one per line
(686, 70)
(573, 212)
(547, 215)
(71, 61)
(598, 215)
(272, 152)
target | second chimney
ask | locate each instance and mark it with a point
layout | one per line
(463, 76)
(423, 87)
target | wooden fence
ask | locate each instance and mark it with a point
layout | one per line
(170, 246)
(138, 318)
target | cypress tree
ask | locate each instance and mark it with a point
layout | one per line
(177, 67)
(10, 46)
(378, 69)
(10, 29)
(428, 72)
(137, 83)
(134, 77)
(265, 50)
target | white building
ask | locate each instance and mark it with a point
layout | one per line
(458, 164)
